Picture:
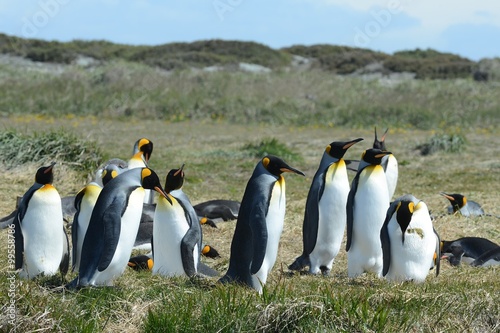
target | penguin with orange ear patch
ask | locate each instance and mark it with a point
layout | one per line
(254, 247)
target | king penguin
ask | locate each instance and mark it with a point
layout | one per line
(367, 205)
(254, 247)
(177, 235)
(143, 148)
(113, 226)
(41, 243)
(410, 244)
(459, 203)
(84, 203)
(389, 163)
(325, 212)
(466, 249)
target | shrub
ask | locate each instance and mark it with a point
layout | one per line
(17, 149)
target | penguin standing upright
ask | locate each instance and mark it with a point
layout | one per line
(84, 203)
(367, 206)
(325, 212)
(177, 235)
(254, 247)
(459, 203)
(410, 244)
(41, 243)
(389, 163)
(113, 226)
(143, 148)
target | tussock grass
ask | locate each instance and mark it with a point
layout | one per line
(450, 143)
(45, 147)
(271, 146)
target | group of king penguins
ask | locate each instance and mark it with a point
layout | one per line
(392, 239)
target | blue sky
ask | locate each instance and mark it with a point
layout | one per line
(468, 28)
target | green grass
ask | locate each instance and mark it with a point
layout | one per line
(219, 124)
(130, 91)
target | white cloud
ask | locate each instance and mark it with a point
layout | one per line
(433, 15)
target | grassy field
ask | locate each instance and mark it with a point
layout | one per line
(216, 149)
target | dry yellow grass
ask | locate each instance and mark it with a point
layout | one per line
(215, 170)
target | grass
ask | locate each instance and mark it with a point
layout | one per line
(215, 123)
(131, 91)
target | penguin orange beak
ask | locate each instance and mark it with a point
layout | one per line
(290, 169)
(49, 168)
(180, 170)
(163, 193)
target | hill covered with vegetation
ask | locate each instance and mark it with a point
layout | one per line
(424, 64)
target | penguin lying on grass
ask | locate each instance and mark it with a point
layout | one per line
(466, 249)
(254, 247)
(459, 203)
(410, 244)
(41, 243)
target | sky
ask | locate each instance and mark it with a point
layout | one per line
(468, 28)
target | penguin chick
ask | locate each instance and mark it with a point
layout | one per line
(254, 246)
(41, 243)
(325, 212)
(459, 203)
(410, 244)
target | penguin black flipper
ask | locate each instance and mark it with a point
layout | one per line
(18, 235)
(311, 220)
(187, 247)
(111, 234)
(74, 227)
(258, 227)
(64, 266)
(385, 240)
(350, 210)
(493, 254)
(437, 260)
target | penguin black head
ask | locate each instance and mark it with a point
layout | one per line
(337, 149)
(457, 200)
(151, 181)
(145, 148)
(374, 156)
(44, 174)
(175, 179)
(110, 172)
(210, 252)
(380, 144)
(404, 212)
(141, 262)
(277, 166)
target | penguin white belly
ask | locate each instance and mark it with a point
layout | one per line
(412, 259)
(332, 220)
(274, 224)
(370, 207)
(391, 174)
(169, 228)
(42, 229)
(86, 207)
(128, 231)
